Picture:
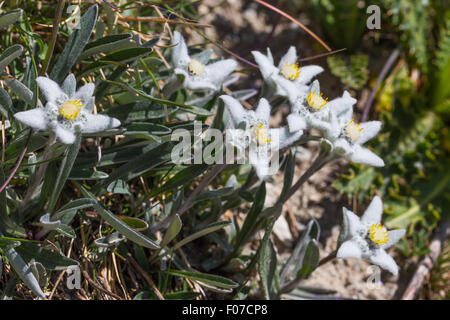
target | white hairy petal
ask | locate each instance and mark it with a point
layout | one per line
(64, 135)
(365, 156)
(218, 71)
(295, 122)
(287, 88)
(314, 87)
(237, 112)
(289, 57)
(263, 111)
(282, 138)
(51, 90)
(349, 249)
(199, 84)
(307, 73)
(369, 130)
(34, 118)
(265, 64)
(270, 56)
(180, 57)
(353, 222)
(85, 93)
(373, 212)
(384, 260)
(394, 236)
(98, 122)
(342, 146)
(69, 85)
(260, 161)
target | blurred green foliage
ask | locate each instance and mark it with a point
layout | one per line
(413, 104)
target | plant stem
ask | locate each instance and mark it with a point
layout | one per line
(392, 58)
(51, 46)
(16, 167)
(318, 163)
(189, 201)
(41, 171)
(291, 285)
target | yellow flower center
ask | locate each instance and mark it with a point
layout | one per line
(70, 109)
(353, 131)
(290, 71)
(316, 101)
(378, 234)
(196, 67)
(261, 134)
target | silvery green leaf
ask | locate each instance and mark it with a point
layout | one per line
(344, 233)
(175, 82)
(252, 216)
(66, 166)
(172, 231)
(139, 110)
(208, 229)
(294, 263)
(120, 226)
(213, 194)
(325, 147)
(86, 174)
(147, 127)
(119, 58)
(267, 267)
(51, 260)
(118, 187)
(74, 205)
(75, 46)
(48, 224)
(39, 272)
(5, 103)
(288, 172)
(9, 55)
(137, 166)
(310, 259)
(110, 240)
(7, 224)
(9, 18)
(214, 280)
(22, 91)
(24, 272)
(106, 44)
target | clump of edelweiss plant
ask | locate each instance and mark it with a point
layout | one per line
(144, 153)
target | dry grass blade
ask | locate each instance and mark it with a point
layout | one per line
(301, 25)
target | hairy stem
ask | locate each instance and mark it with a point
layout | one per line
(189, 201)
(41, 171)
(291, 285)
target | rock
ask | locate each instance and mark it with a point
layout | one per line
(281, 231)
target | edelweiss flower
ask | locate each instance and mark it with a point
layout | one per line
(346, 137)
(197, 75)
(288, 69)
(311, 109)
(366, 238)
(66, 110)
(252, 131)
